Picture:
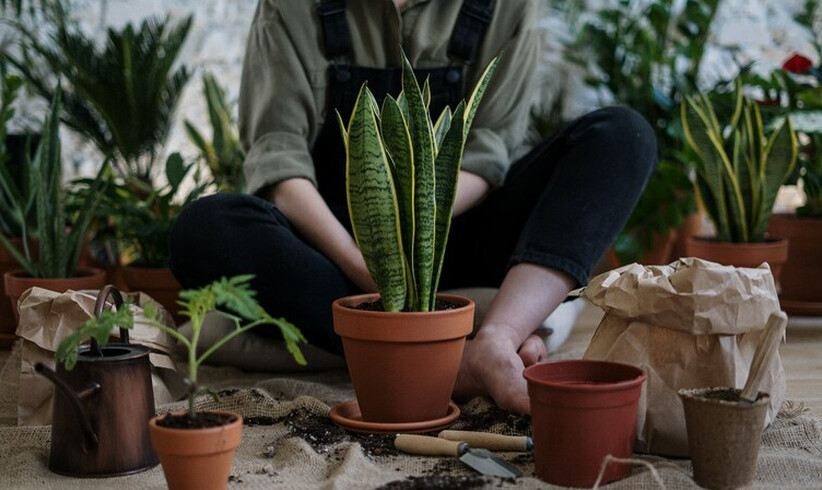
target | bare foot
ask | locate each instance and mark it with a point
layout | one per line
(492, 365)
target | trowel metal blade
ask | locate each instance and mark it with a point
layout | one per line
(486, 463)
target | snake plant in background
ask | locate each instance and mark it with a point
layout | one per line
(224, 154)
(401, 181)
(739, 168)
(59, 249)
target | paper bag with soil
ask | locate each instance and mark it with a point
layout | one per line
(689, 324)
(47, 317)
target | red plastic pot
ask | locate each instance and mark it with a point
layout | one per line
(582, 411)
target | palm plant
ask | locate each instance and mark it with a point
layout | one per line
(120, 97)
(16, 200)
(401, 181)
(223, 154)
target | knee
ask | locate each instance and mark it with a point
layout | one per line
(623, 130)
(202, 220)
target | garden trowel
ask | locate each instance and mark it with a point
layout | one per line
(487, 440)
(481, 460)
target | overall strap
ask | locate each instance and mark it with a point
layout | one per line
(335, 29)
(474, 17)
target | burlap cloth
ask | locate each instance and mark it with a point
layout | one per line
(289, 442)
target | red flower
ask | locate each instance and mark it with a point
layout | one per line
(797, 64)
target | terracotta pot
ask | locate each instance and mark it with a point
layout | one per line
(723, 436)
(160, 284)
(581, 411)
(774, 251)
(403, 365)
(197, 459)
(8, 318)
(658, 255)
(17, 282)
(800, 294)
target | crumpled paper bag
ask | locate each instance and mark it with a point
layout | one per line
(690, 324)
(46, 317)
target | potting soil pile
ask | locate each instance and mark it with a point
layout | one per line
(289, 442)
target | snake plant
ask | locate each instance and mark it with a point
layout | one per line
(739, 168)
(401, 181)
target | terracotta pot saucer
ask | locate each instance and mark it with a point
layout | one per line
(347, 415)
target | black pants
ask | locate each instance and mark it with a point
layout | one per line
(561, 206)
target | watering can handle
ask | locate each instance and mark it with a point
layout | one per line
(110, 290)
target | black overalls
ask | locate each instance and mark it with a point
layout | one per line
(344, 81)
(560, 207)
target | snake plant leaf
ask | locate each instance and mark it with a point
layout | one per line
(343, 130)
(447, 172)
(778, 162)
(697, 127)
(441, 128)
(477, 93)
(397, 140)
(422, 137)
(372, 204)
(735, 202)
(426, 93)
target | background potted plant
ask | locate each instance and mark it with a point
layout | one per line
(401, 177)
(647, 56)
(738, 174)
(223, 154)
(58, 236)
(196, 448)
(128, 130)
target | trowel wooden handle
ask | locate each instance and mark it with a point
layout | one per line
(487, 440)
(426, 445)
(765, 352)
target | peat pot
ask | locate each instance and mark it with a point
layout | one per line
(403, 365)
(197, 459)
(581, 411)
(102, 408)
(724, 435)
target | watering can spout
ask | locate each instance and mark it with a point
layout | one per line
(74, 399)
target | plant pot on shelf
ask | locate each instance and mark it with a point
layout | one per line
(197, 458)
(18, 281)
(159, 283)
(774, 251)
(403, 365)
(800, 294)
(582, 411)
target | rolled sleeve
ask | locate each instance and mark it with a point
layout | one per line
(292, 157)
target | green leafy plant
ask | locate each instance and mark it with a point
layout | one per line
(230, 298)
(647, 55)
(59, 250)
(739, 168)
(139, 217)
(401, 180)
(120, 97)
(223, 154)
(16, 201)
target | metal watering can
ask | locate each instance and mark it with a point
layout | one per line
(102, 407)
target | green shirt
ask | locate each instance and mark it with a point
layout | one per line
(283, 88)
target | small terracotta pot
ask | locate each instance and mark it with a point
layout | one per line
(581, 411)
(197, 459)
(800, 294)
(723, 436)
(403, 365)
(17, 283)
(160, 284)
(774, 251)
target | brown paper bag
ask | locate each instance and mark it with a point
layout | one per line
(689, 324)
(46, 317)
